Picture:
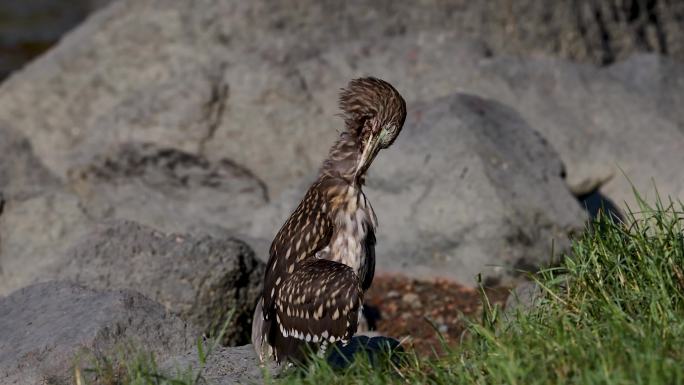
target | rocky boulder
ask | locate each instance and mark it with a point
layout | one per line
(175, 102)
(200, 278)
(45, 327)
(468, 187)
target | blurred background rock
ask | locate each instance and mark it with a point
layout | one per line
(29, 28)
(596, 31)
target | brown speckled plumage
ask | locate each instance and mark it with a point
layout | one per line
(322, 259)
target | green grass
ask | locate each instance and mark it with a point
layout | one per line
(134, 366)
(612, 313)
(131, 367)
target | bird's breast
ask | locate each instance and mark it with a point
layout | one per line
(354, 227)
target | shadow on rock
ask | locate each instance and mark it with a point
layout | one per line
(376, 348)
(595, 202)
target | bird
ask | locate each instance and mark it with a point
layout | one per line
(322, 260)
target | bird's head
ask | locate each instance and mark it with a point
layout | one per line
(374, 114)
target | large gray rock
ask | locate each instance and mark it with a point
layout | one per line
(201, 278)
(45, 326)
(468, 187)
(174, 101)
(170, 190)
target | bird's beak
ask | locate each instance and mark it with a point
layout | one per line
(369, 152)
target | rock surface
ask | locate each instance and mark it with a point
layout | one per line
(35, 234)
(225, 365)
(43, 327)
(200, 278)
(171, 190)
(523, 298)
(37, 217)
(172, 103)
(611, 126)
(22, 174)
(467, 187)
(240, 364)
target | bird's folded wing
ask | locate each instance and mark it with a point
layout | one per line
(319, 302)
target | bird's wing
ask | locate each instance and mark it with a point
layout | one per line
(306, 231)
(319, 302)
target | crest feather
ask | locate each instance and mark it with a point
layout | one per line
(370, 97)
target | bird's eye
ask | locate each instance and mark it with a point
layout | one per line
(387, 135)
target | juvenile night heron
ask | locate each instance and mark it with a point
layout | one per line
(322, 260)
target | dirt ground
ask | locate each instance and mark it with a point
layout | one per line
(413, 311)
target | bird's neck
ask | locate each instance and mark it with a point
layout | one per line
(343, 160)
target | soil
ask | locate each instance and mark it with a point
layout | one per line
(417, 312)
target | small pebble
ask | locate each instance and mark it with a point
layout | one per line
(412, 299)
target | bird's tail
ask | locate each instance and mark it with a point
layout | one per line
(261, 346)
